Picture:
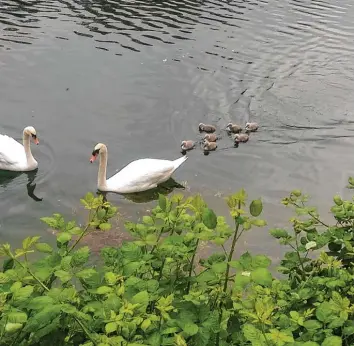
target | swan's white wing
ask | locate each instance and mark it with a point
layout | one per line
(141, 174)
(12, 153)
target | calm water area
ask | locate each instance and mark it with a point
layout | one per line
(140, 76)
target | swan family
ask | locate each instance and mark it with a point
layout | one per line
(139, 175)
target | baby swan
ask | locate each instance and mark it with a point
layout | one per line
(251, 127)
(187, 145)
(206, 128)
(211, 137)
(241, 137)
(209, 146)
(234, 128)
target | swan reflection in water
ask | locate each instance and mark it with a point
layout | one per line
(6, 177)
(149, 195)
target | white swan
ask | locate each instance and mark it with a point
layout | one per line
(139, 175)
(17, 157)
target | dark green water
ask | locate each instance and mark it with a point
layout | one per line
(140, 75)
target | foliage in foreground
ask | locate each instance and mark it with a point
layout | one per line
(153, 291)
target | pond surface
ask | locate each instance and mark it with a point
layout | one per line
(141, 75)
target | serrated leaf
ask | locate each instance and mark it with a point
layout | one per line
(80, 256)
(141, 298)
(17, 317)
(324, 312)
(44, 247)
(28, 242)
(259, 222)
(251, 333)
(105, 226)
(279, 233)
(22, 293)
(209, 218)
(50, 221)
(312, 324)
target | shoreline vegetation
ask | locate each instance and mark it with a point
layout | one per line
(156, 289)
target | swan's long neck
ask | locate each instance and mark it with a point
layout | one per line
(27, 146)
(102, 181)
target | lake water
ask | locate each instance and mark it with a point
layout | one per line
(141, 75)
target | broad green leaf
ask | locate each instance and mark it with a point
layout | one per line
(251, 333)
(141, 298)
(256, 207)
(209, 218)
(23, 293)
(104, 290)
(312, 324)
(40, 302)
(105, 226)
(111, 327)
(148, 220)
(12, 327)
(259, 222)
(145, 324)
(63, 237)
(50, 221)
(17, 317)
(332, 341)
(80, 256)
(110, 278)
(63, 275)
(324, 312)
(219, 268)
(262, 276)
(190, 328)
(279, 233)
(86, 273)
(162, 202)
(44, 247)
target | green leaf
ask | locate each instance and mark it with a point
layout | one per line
(279, 233)
(50, 221)
(145, 324)
(251, 333)
(80, 256)
(63, 275)
(44, 247)
(332, 341)
(190, 328)
(86, 273)
(141, 298)
(12, 327)
(22, 293)
(28, 242)
(111, 327)
(105, 226)
(259, 222)
(256, 207)
(17, 317)
(324, 312)
(219, 268)
(162, 202)
(63, 237)
(262, 276)
(148, 220)
(104, 290)
(40, 302)
(209, 218)
(312, 324)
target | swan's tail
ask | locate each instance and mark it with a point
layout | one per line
(179, 161)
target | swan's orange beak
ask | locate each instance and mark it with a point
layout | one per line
(93, 158)
(36, 140)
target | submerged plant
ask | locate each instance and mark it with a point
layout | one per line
(157, 289)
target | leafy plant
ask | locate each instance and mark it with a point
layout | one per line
(156, 290)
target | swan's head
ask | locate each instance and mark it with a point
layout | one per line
(31, 131)
(229, 125)
(96, 151)
(201, 126)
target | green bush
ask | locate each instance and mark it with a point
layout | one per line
(152, 290)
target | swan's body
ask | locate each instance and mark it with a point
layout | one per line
(17, 157)
(139, 175)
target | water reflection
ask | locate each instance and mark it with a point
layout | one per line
(150, 195)
(7, 178)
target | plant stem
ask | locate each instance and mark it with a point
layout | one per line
(83, 233)
(85, 330)
(234, 241)
(31, 273)
(191, 266)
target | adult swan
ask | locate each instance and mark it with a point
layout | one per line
(139, 175)
(17, 157)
